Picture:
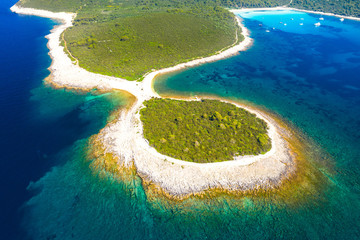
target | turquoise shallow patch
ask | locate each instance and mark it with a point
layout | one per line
(309, 76)
(304, 23)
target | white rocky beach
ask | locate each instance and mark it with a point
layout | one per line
(125, 140)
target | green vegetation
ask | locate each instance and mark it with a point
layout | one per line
(54, 5)
(74, 5)
(206, 131)
(343, 7)
(127, 38)
(130, 46)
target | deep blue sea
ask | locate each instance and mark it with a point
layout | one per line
(308, 75)
(38, 123)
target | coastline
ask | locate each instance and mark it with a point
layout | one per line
(65, 74)
(149, 78)
(327, 14)
(124, 138)
(293, 9)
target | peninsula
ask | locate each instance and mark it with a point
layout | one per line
(125, 51)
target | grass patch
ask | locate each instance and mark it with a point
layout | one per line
(128, 38)
(206, 131)
(131, 46)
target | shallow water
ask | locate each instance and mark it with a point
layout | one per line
(308, 77)
(305, 76)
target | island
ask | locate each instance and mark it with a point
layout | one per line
(203, 131)
(182, 146)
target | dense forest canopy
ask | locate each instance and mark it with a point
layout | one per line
(203, 131)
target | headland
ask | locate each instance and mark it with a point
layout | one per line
(124, 138)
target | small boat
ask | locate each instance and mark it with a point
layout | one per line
(341, 19)
(321, 19)
(267, 30)
(317, 24)
(285, 24)
(301, 24)
(291, 19)
(260, 25)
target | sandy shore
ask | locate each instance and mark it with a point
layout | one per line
(124, 138)
(293, 9)
(67, 74)
(327, 14)
(242, 46)
(180, 178)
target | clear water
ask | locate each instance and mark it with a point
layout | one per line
(309, 77)
(37, 122)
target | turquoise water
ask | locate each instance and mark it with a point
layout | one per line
(309, 76)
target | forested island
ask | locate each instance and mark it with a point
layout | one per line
(203, 131)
